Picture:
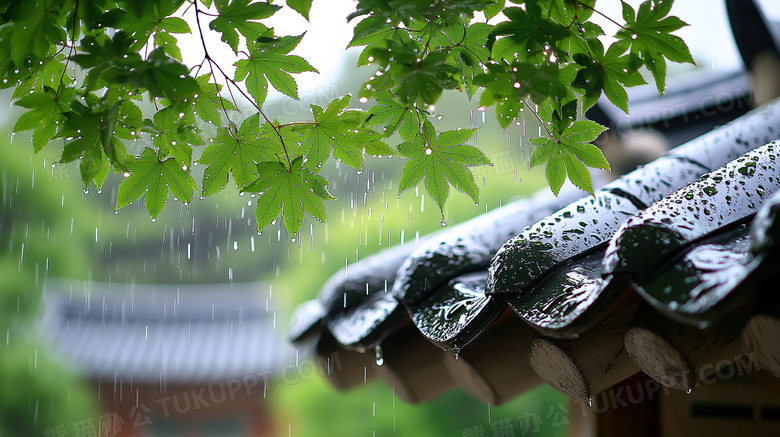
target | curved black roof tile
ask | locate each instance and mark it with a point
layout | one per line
(722, 197)
(583, 225)
(701, 278)
(552, 274)
(643, 186)
(352, 284)
(363, 326)
(456, 313)
(734, 139)
(569, 301)
(716, 275)
(573, 230)
(306, 319)
(563, 305)
(347, 289)
(765, 230)
(470, 245)
(366, 317)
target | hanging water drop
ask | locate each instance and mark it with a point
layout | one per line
(379, 358)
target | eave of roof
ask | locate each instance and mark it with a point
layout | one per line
(553, 276)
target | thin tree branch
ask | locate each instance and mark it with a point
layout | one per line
(603, 15)
(229, 81)
(70, 53)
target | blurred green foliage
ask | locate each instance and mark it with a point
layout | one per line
(38, 393)
(313, 408)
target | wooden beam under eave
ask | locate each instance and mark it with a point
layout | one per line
(494, 368)
(588, 365)
(678, 355)
(343, 368)
(414, 367)
(761, 334)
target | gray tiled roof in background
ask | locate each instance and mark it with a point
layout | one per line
(163, 334)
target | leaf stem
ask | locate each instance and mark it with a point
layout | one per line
(70, 53)
(544, 125)
(602, 14)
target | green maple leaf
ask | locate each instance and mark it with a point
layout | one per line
(423, 82)
(390, 113)
(235, 17)
(494, 9)
(269, 62)
(300, 6)
(506, 85)
(90, 137)
(465, 45)
(83, 142)
(292, 192)
(342, 132)
(208, 102)
(608, 72)
(163, 76)
(526, 35)
(155, 178)
(45, 107)
(570, 155)
(34, 31)
(35, 76)
(168, 43)
(648, 34)
(174, 135)
(374, 33)
(443, 162)
(236, 152)
(565, 12)
(112, 62)
(153, 18)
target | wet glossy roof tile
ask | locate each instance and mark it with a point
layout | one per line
(573, 230)
(471, 245)
(567, 302)
(363, 326)
(721, 198)
(717, 274)
(457, 313)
